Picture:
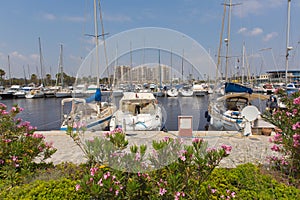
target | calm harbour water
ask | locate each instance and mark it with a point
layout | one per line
(45, 113)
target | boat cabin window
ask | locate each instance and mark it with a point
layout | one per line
(137, 107)
(236, 104)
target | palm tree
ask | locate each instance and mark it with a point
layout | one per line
(34, 79)
(2, 73)
(48, 79)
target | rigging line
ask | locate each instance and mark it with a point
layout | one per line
(220, 44)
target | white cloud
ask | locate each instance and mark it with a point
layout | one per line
(254, 32)
(270, 36)
(242, 30)
(17, 55)
(34, 57)
(49, 16)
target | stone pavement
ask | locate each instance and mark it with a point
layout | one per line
(253, 149)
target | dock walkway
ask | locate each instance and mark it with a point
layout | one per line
(254, 149)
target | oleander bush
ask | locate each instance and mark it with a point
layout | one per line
(243, 182)
(287, 138)
(20, 146)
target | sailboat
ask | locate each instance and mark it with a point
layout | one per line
(37, 92)
(172, 91)
(230, 112)
(91, 113)
(159, 90)
(62, 92)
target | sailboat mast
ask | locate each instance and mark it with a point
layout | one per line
(182, 65)
(227, 40)
(61, 66)
(104, 43)
(97, 42)
(9, 73)
(41, 60)
(159, 66)
(287, 41)
(220, 44)
(171, 63)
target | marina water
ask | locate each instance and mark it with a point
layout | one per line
(45, 113)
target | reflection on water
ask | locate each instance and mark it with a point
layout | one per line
(45, 114)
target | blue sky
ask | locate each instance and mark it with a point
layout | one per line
(259, 24)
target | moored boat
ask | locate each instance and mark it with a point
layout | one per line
(137, 112)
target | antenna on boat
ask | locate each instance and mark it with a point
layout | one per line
(250, 113)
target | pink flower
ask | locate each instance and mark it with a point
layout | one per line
(275, 148)
(117, 192)
(7, 140)
(213, 191)
(137, 156)
(13, 109)
(296, 101)
(296, 140)
(100, 182)
(162, 191)
(166, 139)
(197, 140)
(233, 194)
(295, 126)
(77, 187)
(106, 175)
(208, 150)
(183, 158)
(226, 148)
(93, 170)
(14, 158)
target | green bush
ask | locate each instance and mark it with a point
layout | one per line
(53, 189)
(247, 182)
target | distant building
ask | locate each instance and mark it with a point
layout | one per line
(142, 73)
(263, 78)
(279, 75)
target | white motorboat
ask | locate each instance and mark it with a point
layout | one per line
(186, 91)
(172, 92)
(137, 112)
(63, 93)
(199, 90)
(35, 93)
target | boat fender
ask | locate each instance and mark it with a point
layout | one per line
(206, 114)
(208, 118)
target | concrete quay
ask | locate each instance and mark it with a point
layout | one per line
(254, 148)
